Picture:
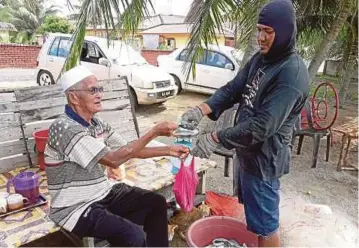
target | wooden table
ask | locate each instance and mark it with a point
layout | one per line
(349, 133)
(27, 226)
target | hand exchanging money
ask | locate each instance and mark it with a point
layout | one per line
(164, 128)
(179, 151)
(191, 118)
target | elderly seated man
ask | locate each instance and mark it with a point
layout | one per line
(84, 201)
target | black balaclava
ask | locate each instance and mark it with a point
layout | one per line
(279, 15)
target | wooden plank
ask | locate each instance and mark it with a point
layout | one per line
(9, 107)
(12, 148)
(41, 114)
(7, 97)
(112, 117)
(30, 128)
(115, 94)
(50, 102)
(39, 93)
(116, 116)
(31, 145)
(51, 113)
(9, 120)
(10, 163)
(112, 85)
(115, 104)
(55, 91)
(120, 123)
(61, 101)
(10, 133)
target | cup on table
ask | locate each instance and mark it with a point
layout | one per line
(16, 201)
(3, 202)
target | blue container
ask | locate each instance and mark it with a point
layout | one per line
(176, 162)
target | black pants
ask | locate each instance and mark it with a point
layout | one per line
(119, 216)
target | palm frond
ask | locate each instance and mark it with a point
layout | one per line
(244, 18)
(315, 15)
(108, 12)
(307, 42)
(133, 15)
(319, 23)
(316, 7)
(28, 15)
(4, 14)
(207, 17)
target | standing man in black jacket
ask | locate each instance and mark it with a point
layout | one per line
(272, 89)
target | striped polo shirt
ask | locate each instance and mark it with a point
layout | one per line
(79, 180)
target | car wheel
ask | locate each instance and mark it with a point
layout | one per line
(133, 98)
(45, 78)
(178, 83)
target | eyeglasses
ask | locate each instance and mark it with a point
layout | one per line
(93, 90)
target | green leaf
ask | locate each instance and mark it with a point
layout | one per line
(207, 17)
(108, 13)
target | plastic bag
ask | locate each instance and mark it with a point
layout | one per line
(185, 186)
(224, 205)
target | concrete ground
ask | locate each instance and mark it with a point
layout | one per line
(301, 223)
(15, 77)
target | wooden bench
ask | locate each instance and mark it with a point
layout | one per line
(349, 132)
(26, 110)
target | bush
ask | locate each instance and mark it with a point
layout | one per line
(55, 24)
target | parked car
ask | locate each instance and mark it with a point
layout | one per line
(148, 84)
(218, 66)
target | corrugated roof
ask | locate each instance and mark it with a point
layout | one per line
(161, 19)
(184, 28)
(171, 19)
(170, 24)
(152, 21)
(5, 26)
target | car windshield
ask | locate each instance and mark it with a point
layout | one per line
(124, 54)
(237, 55)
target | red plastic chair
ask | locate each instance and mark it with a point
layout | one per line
(315, 121)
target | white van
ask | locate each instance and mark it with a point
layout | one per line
(149, 84)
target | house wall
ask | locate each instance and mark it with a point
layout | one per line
(99, 33)
(24, 56)
(229, 42)
(182, 39)
(151, 55)
(18, 55)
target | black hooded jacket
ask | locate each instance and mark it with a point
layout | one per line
(272, 90)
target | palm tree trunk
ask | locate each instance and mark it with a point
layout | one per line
(332, 34)
(348, 66)
(251, 49)
(345, 84)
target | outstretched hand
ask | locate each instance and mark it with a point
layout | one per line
(179, 151)
(164, 128)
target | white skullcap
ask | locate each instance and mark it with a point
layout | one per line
(73, 76)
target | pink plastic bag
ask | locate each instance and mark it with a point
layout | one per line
(185, 186)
